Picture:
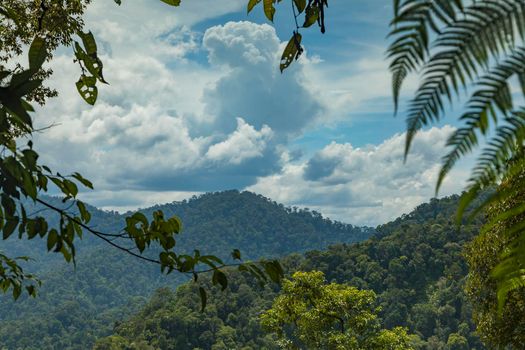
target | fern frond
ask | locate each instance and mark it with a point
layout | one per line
(463, 50)
(513, 170)
(509, 220)
(414, 22)
(510, 284)
(492, 93)
(500, 149)
(452, 43)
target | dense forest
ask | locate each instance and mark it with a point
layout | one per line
(414, 264)
(467, 55)
(77, 305)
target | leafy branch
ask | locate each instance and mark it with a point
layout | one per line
(314, 12)
(22, 176)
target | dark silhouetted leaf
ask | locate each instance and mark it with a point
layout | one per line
(292, 51)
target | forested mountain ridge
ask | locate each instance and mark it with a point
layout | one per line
(415, 266)
(77, 306)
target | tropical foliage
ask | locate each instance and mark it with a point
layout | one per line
(75, 306)
(504, 328)
(476, 46)
(414, 266)
(310, 314)
(43, 26)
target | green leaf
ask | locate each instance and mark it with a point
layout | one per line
(204, 298)
(30, 158)
(87, 89)
(20, 78)
(17, 111)
(89, 42)
(9, 205)
(274, 270)
(31, 290)
(27, 106)
(311, 16)
(29, 185)
(10, 226)
(17, 290)
(220, 278)
(208, 259)
(269, 10)
(236, 254)
(70, 188)
(292, 51)
(300, 4)
(252, 4)
(27, 87)
(188, 264)
(91, 61)
(82, 180)
(84, 214)
(172, 2)
(37, 53)
(175, 224)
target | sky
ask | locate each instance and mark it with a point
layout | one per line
(196, 103)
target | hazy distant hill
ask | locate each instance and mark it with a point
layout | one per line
(76, 307)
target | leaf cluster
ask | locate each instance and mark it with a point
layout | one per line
(311, 12)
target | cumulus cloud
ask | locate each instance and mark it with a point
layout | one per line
(253, 88)
(169, 125)
(190, 111)
(244, 143)
(367, 185)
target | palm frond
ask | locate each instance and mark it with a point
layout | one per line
(501, 159)
(492, 94)
(463, 50)
(507, 216)
(413, 24)
(478, 46)
(494, 157)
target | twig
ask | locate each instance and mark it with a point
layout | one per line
(98, 234)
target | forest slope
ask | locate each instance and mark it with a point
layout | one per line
(415, 265)
(77, 306)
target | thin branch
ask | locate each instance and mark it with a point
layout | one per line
(37, 212)
(99, 234)
(46, 127)
(110, 241)
(295, 15)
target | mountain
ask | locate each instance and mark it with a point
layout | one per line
(414, 264)
(78, 305)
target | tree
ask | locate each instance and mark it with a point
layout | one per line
(310, 314)
(44, 25)
(503, 328)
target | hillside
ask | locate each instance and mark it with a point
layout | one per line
(415, 266)
(77, 306)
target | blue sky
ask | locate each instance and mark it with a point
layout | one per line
(197, 103)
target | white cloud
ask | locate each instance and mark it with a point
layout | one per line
(176, 125)
(253, 88)
(243, 143)
(188, 111)
(368, 185)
